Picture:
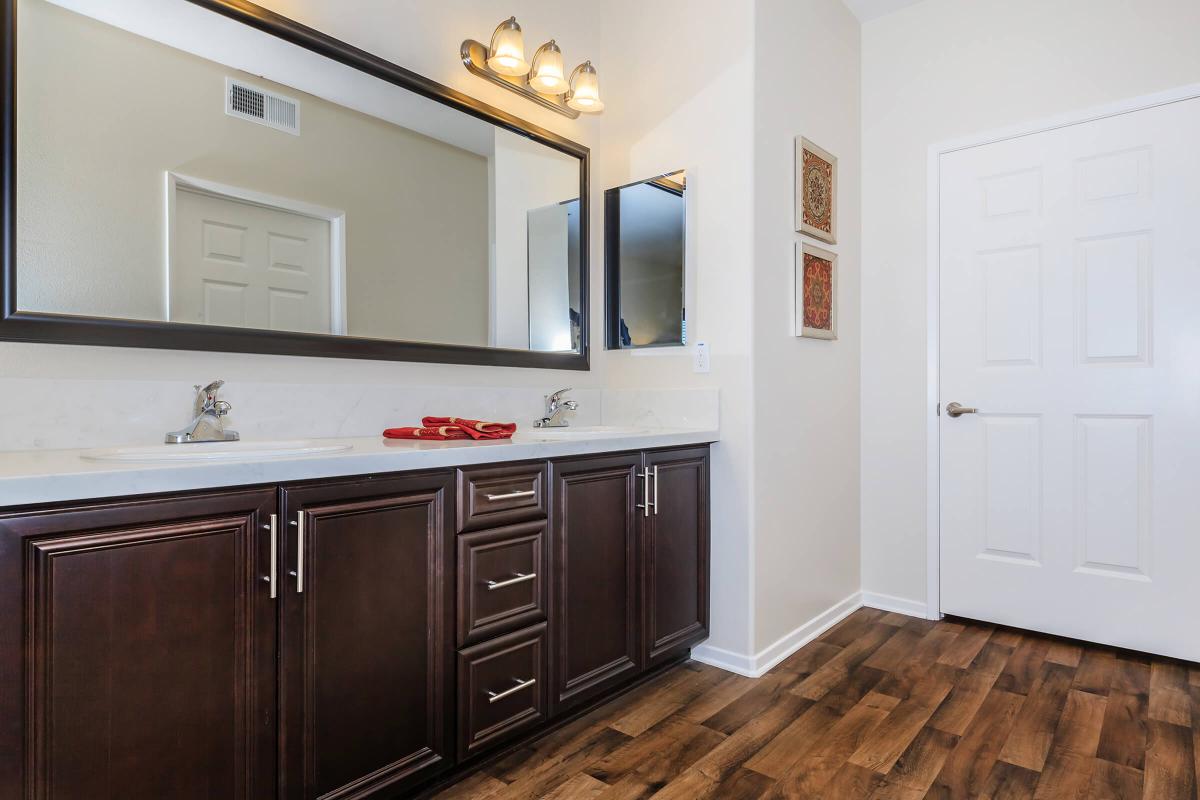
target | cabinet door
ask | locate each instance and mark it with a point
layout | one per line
(367, 635)
(595, 639)
(675, 554)
(137, 650)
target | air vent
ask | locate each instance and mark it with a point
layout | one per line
(258, 105)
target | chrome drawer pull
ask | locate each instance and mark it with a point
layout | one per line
(494, 696)
(511, 495)
(520, 578)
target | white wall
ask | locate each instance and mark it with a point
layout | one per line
(806, 391)
(938, 70)
(669, 113)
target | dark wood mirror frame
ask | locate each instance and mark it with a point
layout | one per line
(25, 326)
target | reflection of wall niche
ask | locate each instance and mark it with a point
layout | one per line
(645, 262)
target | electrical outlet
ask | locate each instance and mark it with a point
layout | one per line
(700, 358)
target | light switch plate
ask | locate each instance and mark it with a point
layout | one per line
(700, 358)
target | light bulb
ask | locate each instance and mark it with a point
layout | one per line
(506, 54)
(547, 75)
(585, 90)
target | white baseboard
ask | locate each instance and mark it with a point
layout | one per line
(759, 664)
(901, 605)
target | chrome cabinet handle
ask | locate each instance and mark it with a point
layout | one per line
(956, 410)
(494, 696)
(647, 505)
(656, 490)
(510, 495)
(519, 578)
(299, 573)
(273, 579)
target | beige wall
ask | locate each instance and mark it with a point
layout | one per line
(125, 110)
(806, 391)
(939, 70)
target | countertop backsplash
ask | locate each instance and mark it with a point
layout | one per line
(79, 413)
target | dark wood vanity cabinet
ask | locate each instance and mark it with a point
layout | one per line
(348, 638)
(137, 650)
(594, 611)
(675, 553)
(366, 669)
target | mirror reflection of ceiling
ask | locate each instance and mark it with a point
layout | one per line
(380, 214)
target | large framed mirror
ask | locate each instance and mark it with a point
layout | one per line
(207, 174)
(645, 271)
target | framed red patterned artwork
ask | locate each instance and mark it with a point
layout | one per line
(816, 191)
(816, 292)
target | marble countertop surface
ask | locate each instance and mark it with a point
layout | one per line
(50, 476)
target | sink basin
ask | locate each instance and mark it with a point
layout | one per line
(217, 451)
(583, 432)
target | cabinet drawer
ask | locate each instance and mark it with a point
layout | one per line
(492, 496)
(501, 689)
(501, 580)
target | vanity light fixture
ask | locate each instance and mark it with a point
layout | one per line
(585, 89)
(543, 81)
(547, 76)
(506, 54)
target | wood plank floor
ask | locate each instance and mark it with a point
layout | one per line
(883, 707)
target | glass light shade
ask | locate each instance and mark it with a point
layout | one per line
(585, 90)
(547, 75)
(506, 55)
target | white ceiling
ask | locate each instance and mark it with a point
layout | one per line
(870, 9)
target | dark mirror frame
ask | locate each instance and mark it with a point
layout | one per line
(26, 326)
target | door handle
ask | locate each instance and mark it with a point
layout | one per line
(648, 504)
(298, 524)
(656, 490)
(956, 410)
(273, 577)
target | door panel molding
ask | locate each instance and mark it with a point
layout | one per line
(934, 400)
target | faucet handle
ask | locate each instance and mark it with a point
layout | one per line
(206, 399)
(557, 396)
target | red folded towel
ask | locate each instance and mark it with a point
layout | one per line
(449, 428)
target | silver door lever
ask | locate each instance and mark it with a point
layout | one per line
(958, 409)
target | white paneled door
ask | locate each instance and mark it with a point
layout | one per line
(247, 265)
(1070, 322)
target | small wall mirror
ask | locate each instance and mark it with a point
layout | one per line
(644, 234)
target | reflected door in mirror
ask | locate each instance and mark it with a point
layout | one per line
(294, 193)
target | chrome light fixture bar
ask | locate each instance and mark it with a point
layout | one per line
(544, 80)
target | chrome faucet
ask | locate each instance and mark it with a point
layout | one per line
(555, 406)
(206, 425)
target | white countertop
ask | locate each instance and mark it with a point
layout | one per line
(48, 476)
